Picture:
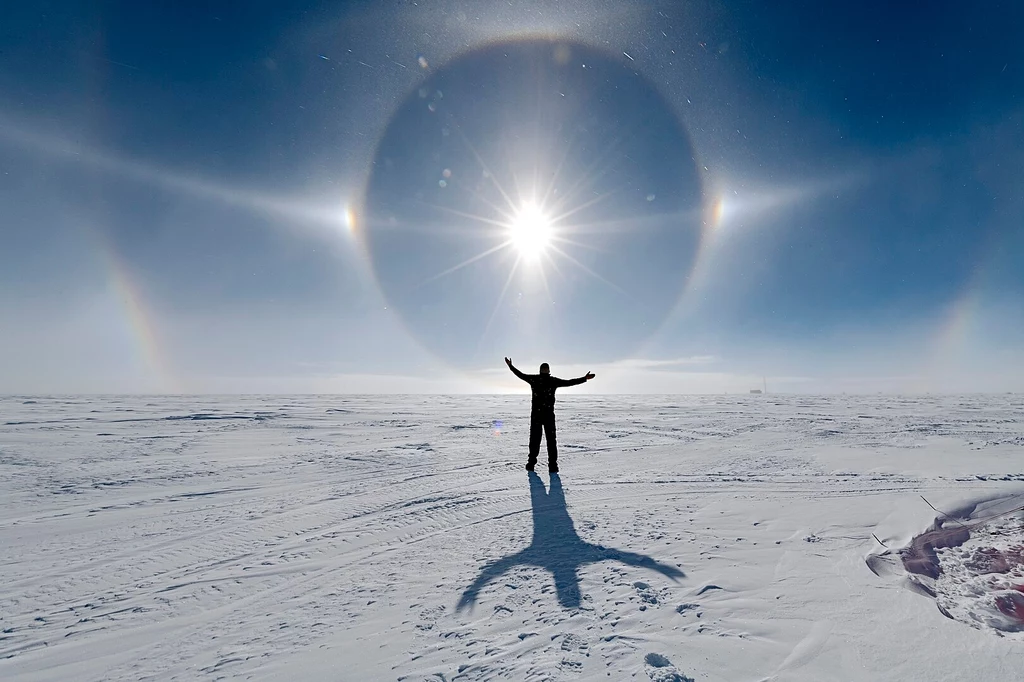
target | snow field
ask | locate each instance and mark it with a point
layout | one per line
(339, 538)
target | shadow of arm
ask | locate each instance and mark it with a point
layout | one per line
(489, 572)
(644, 561)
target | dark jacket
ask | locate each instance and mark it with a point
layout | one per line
(544, 386)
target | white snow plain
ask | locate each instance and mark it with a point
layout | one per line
(399, 538)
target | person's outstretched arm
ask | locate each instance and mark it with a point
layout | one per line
(508, 361)
(579, 380)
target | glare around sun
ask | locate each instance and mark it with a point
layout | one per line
(530, 232)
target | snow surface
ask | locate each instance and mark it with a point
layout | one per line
(384, 538)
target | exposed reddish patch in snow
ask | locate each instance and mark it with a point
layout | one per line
(1011, 605)
(921, 557)
(994, 560)
(974, 569)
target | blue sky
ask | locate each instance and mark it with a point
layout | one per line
(284, 197)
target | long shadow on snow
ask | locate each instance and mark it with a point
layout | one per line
(557, 548)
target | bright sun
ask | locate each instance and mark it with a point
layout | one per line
(530, 232)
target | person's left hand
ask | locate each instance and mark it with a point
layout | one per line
(590, 375)
(508, 361)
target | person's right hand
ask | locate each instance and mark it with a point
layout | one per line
(590, 375)
(508, 361)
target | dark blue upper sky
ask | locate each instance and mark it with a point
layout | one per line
(195, 197)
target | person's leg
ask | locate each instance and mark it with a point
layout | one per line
(535, 426)
(549, 432)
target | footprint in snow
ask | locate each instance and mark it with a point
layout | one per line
(576, 644)
(646, 593)
(429, 617)
(660, 669)
(689, 606)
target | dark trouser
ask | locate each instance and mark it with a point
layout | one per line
(545, 420)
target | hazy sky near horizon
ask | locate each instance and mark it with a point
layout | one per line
(320, 197)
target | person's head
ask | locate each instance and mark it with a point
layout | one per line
(544, 369)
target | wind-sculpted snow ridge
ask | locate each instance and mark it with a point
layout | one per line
(973, 564)
(399, 538)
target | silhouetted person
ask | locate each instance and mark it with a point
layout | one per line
(542, 412)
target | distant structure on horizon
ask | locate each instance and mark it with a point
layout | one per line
(757, 391)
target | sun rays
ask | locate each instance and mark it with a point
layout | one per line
(510, 223)
(533, 205)
(530, 232)
(525, 229)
